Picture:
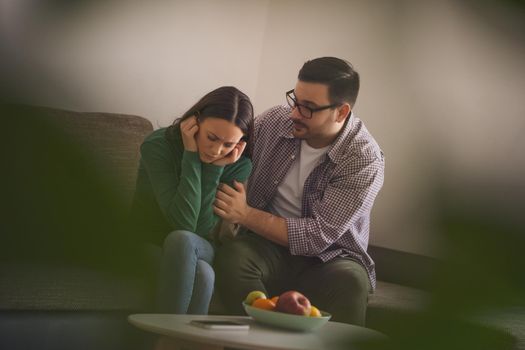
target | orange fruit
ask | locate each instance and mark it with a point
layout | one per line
(315, 312)
(253, 295)
(274, 299)
(265, 304)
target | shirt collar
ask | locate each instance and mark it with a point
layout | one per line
(336, 151)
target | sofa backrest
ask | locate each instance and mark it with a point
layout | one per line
(404, 268)
(66, 185)
(113, 139)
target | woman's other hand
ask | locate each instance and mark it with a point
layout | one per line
(189, 128)
(233, 156)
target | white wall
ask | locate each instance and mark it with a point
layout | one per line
(367, 34)
(441, 85)
(153, 58)
(441, 92)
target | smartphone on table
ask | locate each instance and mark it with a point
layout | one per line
(220, 325)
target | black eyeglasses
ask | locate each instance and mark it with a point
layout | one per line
(305, 111)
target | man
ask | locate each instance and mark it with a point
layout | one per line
(317, 171)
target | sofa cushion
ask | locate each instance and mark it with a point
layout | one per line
(396, 297)
(390, 301)
(510, 320)
(58, 287)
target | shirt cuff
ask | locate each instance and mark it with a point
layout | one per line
(297, 240)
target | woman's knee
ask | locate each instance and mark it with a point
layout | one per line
(185, 243)
(205, 274)
(179, 240)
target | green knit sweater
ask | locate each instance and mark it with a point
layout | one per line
(175, 190)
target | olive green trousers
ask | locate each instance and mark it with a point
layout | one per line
(250, 262)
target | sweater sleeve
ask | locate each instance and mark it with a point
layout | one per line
(239, 171)
(176, 183)
(211, 175)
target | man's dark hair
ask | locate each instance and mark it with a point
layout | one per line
(338, 74)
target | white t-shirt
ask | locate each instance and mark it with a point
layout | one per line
(287, 203)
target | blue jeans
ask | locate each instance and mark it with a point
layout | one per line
(186, 276)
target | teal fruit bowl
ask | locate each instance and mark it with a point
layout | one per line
(287, 321)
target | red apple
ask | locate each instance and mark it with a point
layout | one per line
(293, 302)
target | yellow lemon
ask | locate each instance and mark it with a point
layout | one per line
(315, 312)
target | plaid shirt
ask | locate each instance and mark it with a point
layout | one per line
(338, 194)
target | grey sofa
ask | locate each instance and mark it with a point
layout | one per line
(71, 271)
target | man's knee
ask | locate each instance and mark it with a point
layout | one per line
(355, 281)
(349, 293)
(234, 257)
(345, 289)
(351, 285)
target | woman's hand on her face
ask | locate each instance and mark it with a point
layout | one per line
(233, 156)
(189, 128)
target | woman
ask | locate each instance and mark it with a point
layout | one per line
(180, 169)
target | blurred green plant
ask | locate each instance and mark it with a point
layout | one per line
(57, 206)
(480, 275)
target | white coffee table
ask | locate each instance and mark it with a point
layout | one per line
(333, 335)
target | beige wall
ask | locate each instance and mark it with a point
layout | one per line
(441, 92)
(441, 85)
(152, 58)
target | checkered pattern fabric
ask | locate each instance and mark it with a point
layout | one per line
(338, 193)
